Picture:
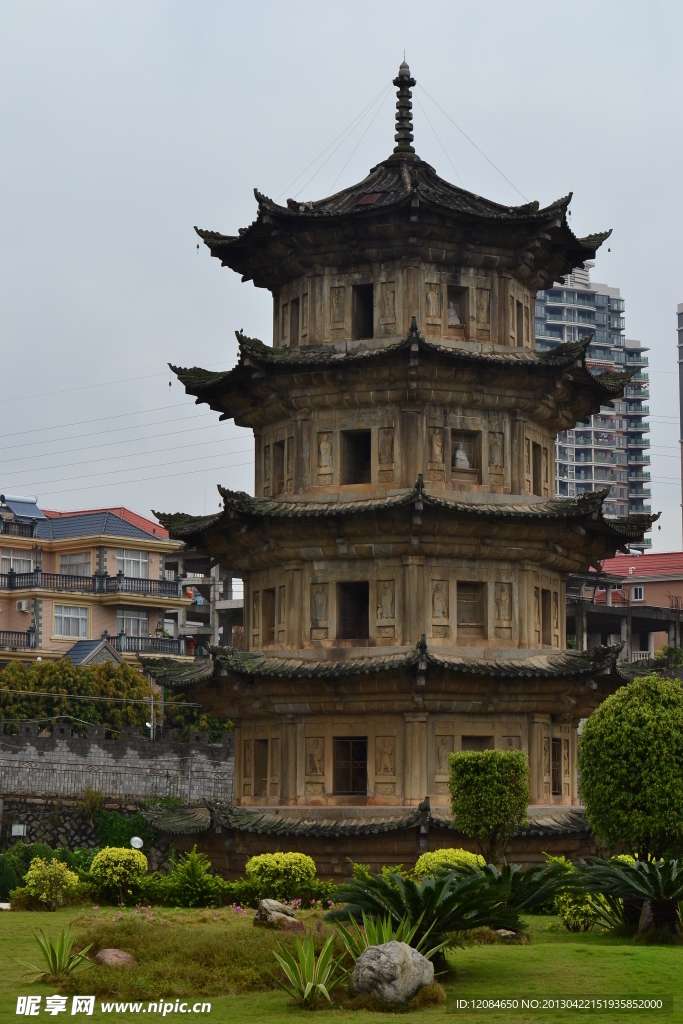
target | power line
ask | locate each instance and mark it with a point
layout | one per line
(164, 476)
(359, 141)
(471, 141)
(83, 696)
(439, 141)
(98, 419)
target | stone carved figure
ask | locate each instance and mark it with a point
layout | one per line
(281, 605)
(496, 450)
(461, 460)
(444, 747)
(483, 306)
(384, 755)
(385, 599)
(565, 758)
(324, 452)
(320, 593)
(315, 755)
(275, 758)
(546, 755)
(290, 456)
(386, 446)
(556, 615)
(537, 605)
(503, 597)
(247, 759)
(304, 312)
(436, 445)
(388, 308)
(433, 301)
(440, 599)
(454, 311)
(266, 464)
(337, 305)
(527, 457)
(255, 610)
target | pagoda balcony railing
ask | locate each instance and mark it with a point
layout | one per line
(125, 644)
(17, 638)
(97, 584)
(11, 529)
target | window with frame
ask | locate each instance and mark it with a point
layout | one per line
(466, 455)
(71, 621)
(470, 602)
(637, 593)
(351, 765)
(133, 563)
(132, 621)
(75, 565)
(16, 559)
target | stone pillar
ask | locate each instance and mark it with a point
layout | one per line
(214, 597)
(624, 639)
(608, 595)
(581, 627)
(539, 732)
(650, 645)
(415, 749)
(671, 638)
(413, 603)
(677, 627)
(629, 636)
(288, 760)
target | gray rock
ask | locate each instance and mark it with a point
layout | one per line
(391, 973)
(115, 958)
(505, 933)
(271, 914)
(646, 918)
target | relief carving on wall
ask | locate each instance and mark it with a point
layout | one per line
(337, 305)
(325, 453)
(444, 747)
(545, 465)
(247, 759)
(436, 445)
(546, 755)
(483, 306)
(565, 758)
(496, 450)
(537, 605)
(281, 605)
(386, 446)
(319, 601)
(284, 320)
(388, 301)
(266, 464)
(439, 599)
(275, 758)
(503, 598)
(433, 301)
(315, 755)
(556, 612)
(290, 456)
(255, 610)
(385, 599)
(304, 312)
(527, 457)
(384, 755)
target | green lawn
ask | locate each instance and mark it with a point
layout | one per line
(217, 948)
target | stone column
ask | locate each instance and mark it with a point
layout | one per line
(413, 603)
(650, 645)
(539, 730)
(671, 638)
(288, 759)
(214, 597)
(629, 636)
(624, 639)
(415, 750)
(581, 627)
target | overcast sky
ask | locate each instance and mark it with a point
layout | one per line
(125, 124)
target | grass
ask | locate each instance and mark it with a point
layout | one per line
(198, 952)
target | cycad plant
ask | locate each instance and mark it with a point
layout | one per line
(309, 978)
(377, 931)
(58, 956)
(658, 881)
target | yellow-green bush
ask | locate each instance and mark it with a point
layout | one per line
(281, 875)
(51, 882)
(117, 869)
(430, 863)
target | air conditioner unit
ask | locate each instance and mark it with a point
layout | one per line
(23, 606)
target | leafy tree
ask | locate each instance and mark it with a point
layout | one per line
(281, 875)
(116, 870)
(631, 768)
(489, 797)
(50, 881)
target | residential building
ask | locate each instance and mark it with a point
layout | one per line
(611, 448)
(70, 576)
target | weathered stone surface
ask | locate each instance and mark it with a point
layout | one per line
(272, 914)
(391, 973)
(115, 958)
(505, 933)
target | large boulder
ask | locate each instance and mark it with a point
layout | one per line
(391, 973)
(115, 958)
(271, 914)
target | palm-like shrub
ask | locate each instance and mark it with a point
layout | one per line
(377, 931)
(659, 882)
(191, 884)
(60, 961)
(309, 978)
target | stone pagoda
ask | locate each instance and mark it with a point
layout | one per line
(404, 557)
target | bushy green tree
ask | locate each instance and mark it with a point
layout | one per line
(436, 860)
(117, 870)
(281, 876)
(631, 768)
(50, 881)
(489, 797)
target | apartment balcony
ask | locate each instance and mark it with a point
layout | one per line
(634, 475)
(8, 528)
(148, 644)
(17, 639)
(644, 493)
(97, 584)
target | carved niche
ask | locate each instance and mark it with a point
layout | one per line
(387, 309)
(439, 599)
(275, 758)
(565, 758)
(386, 447)
(289, 466)
(483, 314)
(546, 755)
(337, 305)
(444, 747)
(315, 755)
(496, 450)
(385, 599)
(320, 597)
(266, 469)
(385, 760)
(436, 446)
(433, 303)
(325, 458)
(503, 598)
(304, 313)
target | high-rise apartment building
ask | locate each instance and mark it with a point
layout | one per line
(612, 449)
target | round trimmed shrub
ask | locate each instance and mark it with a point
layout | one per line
(115, 870)
(281, 876)
(430, 863)
(51, 882)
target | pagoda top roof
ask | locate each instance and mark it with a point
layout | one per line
(284, 241)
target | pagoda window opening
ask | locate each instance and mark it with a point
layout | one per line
(268, 615)
(278, 467)
(546, 621)
(356, 461)
(294, 322)
(556, 785)
(520, 325)
(363, 311)
(466, 455)
(477, 743)
(353, 604)
(457, 298)
(537, 469)
(350, 766)
(470, 601)
(261, 766)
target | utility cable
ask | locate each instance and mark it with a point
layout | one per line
(359, 142)
(163, 476)
(439, 141)
(84, 696)
(98, 419)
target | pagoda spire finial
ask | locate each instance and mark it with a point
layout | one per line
(404, 111)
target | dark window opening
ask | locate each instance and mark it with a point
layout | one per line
(268, 615)
(520, 325)
(537, 469)
(351, 765)
(353, 603)
(278, 467)
(363, 314)
(470, 599)
(260, 767)
(546, 623)
(466, 455)
(557, 767)
(477, 742)
(356, 466)
(294, 322)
